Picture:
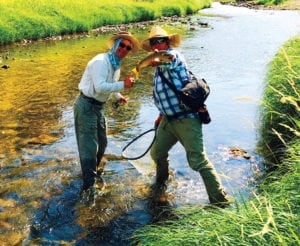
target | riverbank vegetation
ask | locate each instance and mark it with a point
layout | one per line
(38, 19)
(265, 4)
(280, 123)
(271, 217)
(270, 2)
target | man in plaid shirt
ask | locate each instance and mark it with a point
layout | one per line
(175, 123)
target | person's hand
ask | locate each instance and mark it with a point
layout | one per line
(128, 81)
(157, 121)
(123, 100)
(120, 101)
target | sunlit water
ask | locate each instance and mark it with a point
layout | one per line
(40, 172)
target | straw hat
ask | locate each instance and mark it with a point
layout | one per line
(125, 35)
(158, 32)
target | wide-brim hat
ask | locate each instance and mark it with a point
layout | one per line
(125, 35)
(158, 32)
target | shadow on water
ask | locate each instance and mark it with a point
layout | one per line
(107, 219)
(40, 173)
(124, 204)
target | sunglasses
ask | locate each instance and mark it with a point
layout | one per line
(122, 45)
(157, 41)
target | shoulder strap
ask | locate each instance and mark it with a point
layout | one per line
(177, 93)
(168, 82)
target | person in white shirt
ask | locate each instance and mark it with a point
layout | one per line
(100, 80)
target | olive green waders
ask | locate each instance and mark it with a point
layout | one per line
(90, 128)
(188, 132)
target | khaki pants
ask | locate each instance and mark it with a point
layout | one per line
(188, 132)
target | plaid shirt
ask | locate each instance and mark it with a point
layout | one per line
(165, 99)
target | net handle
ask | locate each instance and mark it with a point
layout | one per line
(133, 140)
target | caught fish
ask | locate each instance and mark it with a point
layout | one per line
(158, 56)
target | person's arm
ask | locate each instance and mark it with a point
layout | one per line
(100, 71)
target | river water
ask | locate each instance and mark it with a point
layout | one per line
(40, 171)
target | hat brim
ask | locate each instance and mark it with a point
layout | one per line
(135, 43)
(174, 41)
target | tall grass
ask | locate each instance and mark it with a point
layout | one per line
(271, 217)
(270, 2)
(280, 110)
(42, 18)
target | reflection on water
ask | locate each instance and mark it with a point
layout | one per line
(40, 172)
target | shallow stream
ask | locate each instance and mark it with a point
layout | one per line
(40, 171)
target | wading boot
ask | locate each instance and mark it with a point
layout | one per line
(222, 201)
(216, 194)
(159, 188)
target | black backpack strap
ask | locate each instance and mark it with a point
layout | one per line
(177, 93)
(172, 86)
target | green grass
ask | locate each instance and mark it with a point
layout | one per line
(42, 18)
(260, 2)
(270, 2)
(280, 110)
(271, 216)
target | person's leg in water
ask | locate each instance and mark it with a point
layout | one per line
(159, 152)
(86, 124)
(191, 137)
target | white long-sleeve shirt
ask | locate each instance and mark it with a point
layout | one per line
(99, 79)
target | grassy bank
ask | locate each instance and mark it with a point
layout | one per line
(270, 2)
(41, 18)
(271, 217)
(280, 123)
(266, 4)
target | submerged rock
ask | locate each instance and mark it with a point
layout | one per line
(237, 152)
